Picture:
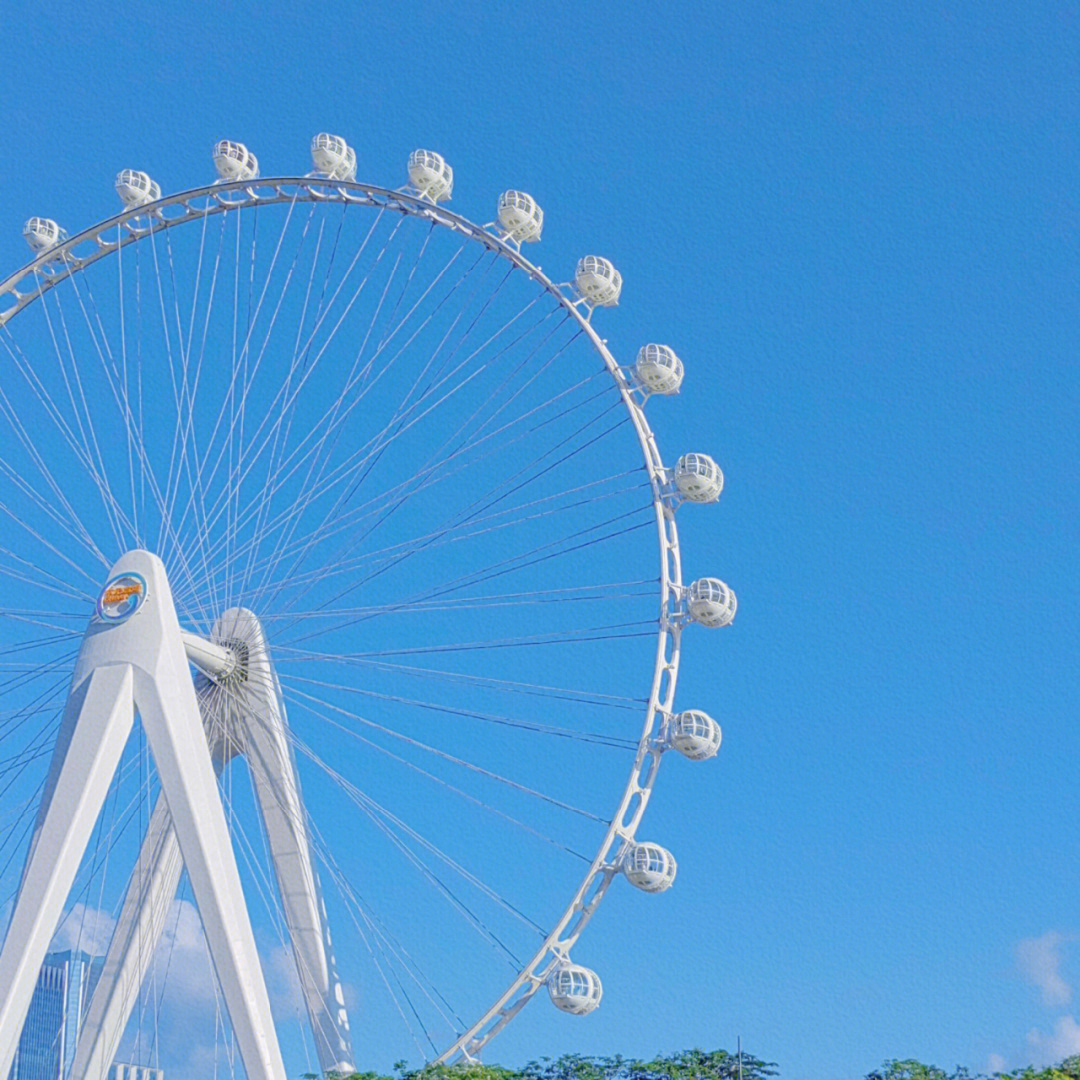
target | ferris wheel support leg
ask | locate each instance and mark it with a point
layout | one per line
(147, 901)
(263, 732)
(301, 896)
(165, 694)
(98, 719)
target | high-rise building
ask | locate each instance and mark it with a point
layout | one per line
(51, 1031)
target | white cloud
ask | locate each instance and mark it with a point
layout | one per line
(1040, 960)
(179, 1013)
(182, 958)
(1063, 1041)
(995, 1063)
(282, 981)
(86, 928)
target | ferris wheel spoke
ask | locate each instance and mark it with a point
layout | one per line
(443, 754)
(567, 594)
(509, 686)
(117, 380)
(296, 350)
(82, 452)
(382, 442)
(46, 507)
(513, 564)
(265, 887)
(87, 431)
(308, 699)
(11, 719)
(74, 523)
(592, 633)
(19, 761)
(456, 520)
(104, 352)
(455, 533)
(256, 869)
(355, 908)
(465, 516)
(429, 476)
(242, 355)
(383, 934)
(279, 406)
(194, 480)
(383, 819)
(126, 411)
(389, 948)
(173, 471)
(166, 532)
(291, 464)
(40, 618)
(334, 422)
(500, 719)
(325, 277)
(15, 719)
(249, 377)
(197, 499)
(99, 858)
(343, 476)
(20, 522)
(32, 574)
(267, 890)
(284, 415)
(129, 417)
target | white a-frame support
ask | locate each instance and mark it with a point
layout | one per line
(133, 657)
(243, 715)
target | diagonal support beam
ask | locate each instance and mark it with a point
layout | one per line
(145, 911)
(263, 734)
(96, 725)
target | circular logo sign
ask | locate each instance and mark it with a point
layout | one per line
(122, 597)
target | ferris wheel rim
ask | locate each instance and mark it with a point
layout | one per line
(63, 261)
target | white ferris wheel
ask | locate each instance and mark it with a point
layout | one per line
(321, 484)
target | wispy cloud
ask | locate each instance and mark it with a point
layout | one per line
(1060, 1043)
(1040, 960)
(176, 1016)
(179, 1021)
(282, 981)
(84, 927)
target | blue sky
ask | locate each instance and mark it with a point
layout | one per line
(857, 223)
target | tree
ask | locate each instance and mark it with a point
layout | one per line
(684, 1065)
(908, 1069)
(700, 1065)
(1069, 1069)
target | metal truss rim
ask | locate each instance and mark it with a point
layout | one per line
(64, 260)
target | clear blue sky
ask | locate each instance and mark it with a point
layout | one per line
(858, 223)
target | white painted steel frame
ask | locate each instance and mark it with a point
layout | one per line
(246, 718)
(196, 204)
(139, 663)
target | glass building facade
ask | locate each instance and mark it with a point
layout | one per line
(61, 998)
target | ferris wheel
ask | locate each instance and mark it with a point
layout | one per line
(320, 483)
